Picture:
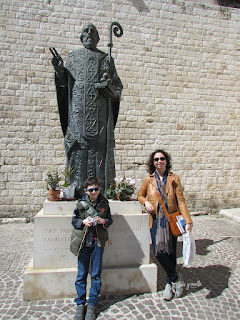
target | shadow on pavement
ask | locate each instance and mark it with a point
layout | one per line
(202, 246)
(106, 302)
(213, 277)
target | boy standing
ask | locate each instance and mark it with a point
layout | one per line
(90, 220)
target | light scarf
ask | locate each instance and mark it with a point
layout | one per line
(163, 235)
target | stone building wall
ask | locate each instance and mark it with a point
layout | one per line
(179, 62)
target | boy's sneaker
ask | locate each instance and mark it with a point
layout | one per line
(90, 315)
(177, 289)
(168, 293)
(79, 315)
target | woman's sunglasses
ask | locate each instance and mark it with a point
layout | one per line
(157, 159)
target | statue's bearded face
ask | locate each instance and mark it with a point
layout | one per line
(89, 37)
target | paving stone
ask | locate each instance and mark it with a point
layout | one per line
(211, 284)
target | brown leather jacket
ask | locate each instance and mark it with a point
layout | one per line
(174, 193)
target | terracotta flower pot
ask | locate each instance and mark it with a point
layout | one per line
(53, 195)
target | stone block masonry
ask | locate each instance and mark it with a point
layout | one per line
(179, 63)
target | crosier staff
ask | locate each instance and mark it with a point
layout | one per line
(109, 90)
(118, 32)
(117, 29)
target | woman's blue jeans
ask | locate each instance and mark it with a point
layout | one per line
(95, 255)
(167, 261)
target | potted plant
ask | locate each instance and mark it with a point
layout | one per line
(52, 181)
(122, 189)
(67, 189)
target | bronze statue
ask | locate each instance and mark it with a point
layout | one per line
(88, 94)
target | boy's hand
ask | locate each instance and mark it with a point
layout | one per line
(88, 222)
(99, 220)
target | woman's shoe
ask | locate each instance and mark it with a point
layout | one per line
(177, 289)
(168, 293)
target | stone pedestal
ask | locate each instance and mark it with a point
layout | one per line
(126, 263)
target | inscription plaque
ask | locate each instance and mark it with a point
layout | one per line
(129, 236)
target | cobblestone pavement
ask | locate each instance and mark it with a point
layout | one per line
(212, 283)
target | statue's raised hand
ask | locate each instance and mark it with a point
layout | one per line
(57, 61)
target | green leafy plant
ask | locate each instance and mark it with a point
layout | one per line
(52, 180)
(67, 175)
(122, 189)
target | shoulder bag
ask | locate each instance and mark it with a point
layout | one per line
(171, 217)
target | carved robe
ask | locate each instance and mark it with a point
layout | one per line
(88, 117)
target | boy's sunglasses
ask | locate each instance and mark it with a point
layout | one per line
(93, 189)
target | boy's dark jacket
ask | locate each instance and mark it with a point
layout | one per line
(80, 231)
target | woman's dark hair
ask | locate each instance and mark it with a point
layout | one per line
(90, 181)
(150, 164)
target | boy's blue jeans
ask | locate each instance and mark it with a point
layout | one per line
(95, 255)
(167, 261)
